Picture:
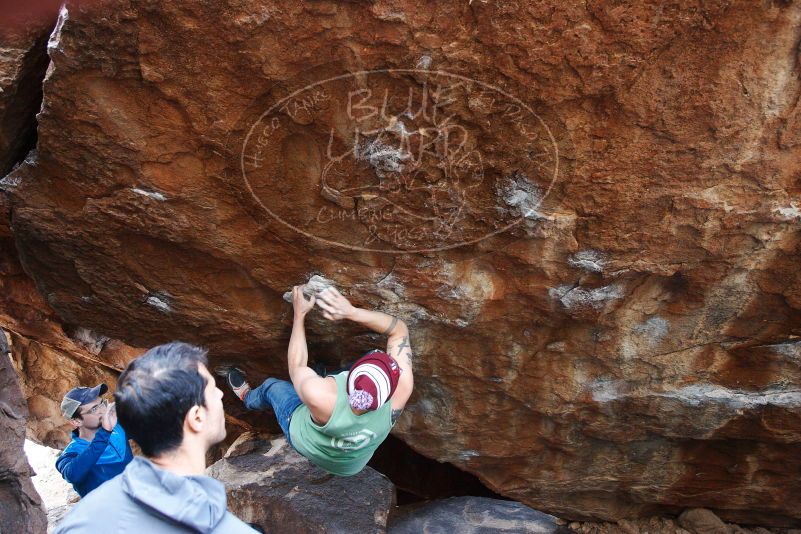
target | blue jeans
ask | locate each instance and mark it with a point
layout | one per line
(278, 394)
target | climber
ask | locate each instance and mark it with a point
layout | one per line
(337, 422)
(99, 448)
(172, 409)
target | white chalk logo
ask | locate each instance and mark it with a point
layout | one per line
(400, 160)
(355, 442)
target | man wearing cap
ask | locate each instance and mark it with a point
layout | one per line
(337, 422)
(99, 449)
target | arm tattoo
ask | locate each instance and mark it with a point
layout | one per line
(404, 344)
(391, 326)
(395, 415)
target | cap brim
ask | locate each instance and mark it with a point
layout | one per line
(97, 391)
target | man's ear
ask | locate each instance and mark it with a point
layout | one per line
(76, 423)
(195, 418)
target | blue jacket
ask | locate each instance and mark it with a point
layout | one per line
(86, 465)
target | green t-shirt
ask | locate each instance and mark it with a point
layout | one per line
(345, 444)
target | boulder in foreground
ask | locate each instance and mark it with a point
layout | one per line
(476, 515)
(271, 485)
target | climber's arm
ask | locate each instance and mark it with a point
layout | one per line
(336, 307)
(315, 392)
(399, 347)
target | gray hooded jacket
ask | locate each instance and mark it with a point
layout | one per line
(146, 498)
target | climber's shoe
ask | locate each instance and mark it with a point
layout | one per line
(236, 381)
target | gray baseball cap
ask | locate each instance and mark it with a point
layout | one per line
(79, 396)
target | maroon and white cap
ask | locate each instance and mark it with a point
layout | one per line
(372, 380)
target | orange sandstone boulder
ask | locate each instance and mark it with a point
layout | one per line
(587, 213)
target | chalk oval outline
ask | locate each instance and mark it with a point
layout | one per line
(390, 251)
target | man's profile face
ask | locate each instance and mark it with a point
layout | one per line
(214, 406)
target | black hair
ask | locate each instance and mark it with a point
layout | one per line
(156, 391)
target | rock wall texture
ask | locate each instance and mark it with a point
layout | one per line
(270, 485)
(588, 213)
(50, 357)
(23, 61)
(22, 508)
(478, 515)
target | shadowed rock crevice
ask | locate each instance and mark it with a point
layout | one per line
(418, 478)
(22, 99)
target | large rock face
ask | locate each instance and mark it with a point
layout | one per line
(588, 213)
(51, 358)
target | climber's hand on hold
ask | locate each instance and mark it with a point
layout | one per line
(299, 302)
(334, 305)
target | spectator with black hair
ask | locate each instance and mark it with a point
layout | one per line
(171, 407)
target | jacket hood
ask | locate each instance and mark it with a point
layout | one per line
(198, 502)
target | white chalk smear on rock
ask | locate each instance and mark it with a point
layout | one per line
(316, 285)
